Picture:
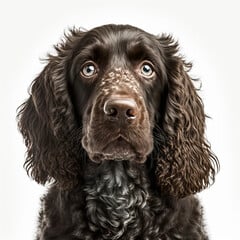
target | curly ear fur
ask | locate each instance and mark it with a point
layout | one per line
(46, 120)
(185, 164)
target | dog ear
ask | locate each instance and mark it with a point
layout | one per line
(47, 123)
(185, 164)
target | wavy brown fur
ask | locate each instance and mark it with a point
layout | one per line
(185, 164)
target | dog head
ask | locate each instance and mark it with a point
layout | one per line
(120, 94)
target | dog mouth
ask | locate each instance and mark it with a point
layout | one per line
(118, 149)
(119, 146)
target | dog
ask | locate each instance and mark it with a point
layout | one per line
(116, 127)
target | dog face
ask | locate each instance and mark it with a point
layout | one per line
(117, 78)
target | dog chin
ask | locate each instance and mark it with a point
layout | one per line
(117, 150)
(100, 157)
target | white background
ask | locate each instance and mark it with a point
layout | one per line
(208, 32)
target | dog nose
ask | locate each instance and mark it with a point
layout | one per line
(120, 109)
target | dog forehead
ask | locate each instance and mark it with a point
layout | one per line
(117, 37)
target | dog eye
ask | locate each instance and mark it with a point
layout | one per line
(146, 69)
(88, 69)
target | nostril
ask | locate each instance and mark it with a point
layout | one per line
(112, 112)
(131, 114)
(109, 110)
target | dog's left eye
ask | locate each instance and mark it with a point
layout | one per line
(88, 69)
(146, 69)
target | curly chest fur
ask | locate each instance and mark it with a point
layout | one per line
(116, 202)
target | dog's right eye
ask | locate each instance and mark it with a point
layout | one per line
(89, 69)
